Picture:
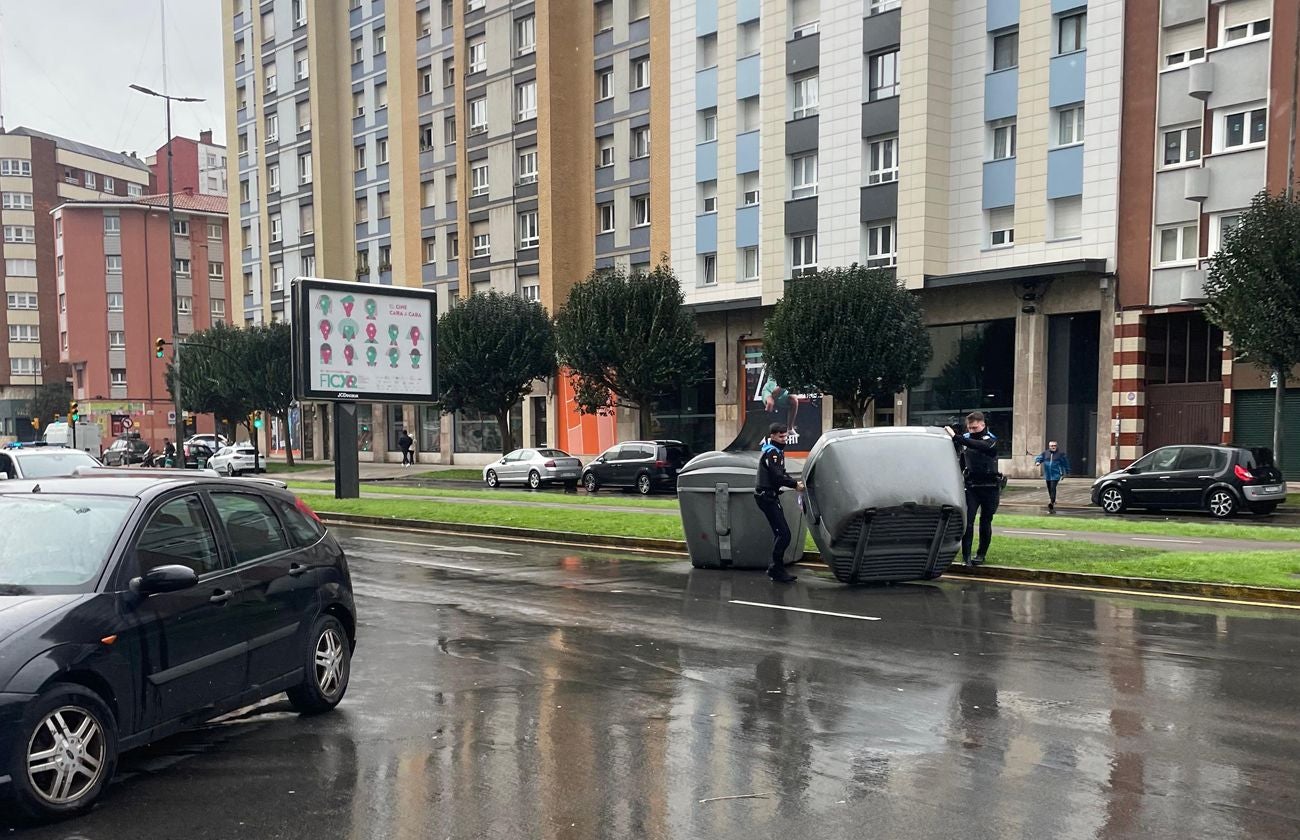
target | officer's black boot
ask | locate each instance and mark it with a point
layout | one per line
(777, 572)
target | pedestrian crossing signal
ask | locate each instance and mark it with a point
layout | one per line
(159, 344)
(74, 414)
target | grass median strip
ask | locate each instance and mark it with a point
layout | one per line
(576, 499)
(1172, 528)
(1279, 569)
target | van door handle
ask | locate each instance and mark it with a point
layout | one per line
(1165, 478)
(297, 569)
(221, 596)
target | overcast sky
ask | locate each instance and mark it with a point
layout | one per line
(65, 66)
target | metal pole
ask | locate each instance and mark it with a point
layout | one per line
(179, 425)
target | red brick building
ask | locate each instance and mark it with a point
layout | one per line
(197, 165)
(115, 299)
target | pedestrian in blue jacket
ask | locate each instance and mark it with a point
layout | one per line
(1056, 466)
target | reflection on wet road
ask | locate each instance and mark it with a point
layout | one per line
(510, 691)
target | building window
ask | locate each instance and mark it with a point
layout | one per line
(309, 265)
(360, 155)
(531, 292)
(20, 234)
(1244, 31)
(1069, 125)
(277, 230)
(750, 193)
(638, 10)
(114, 301)
(381, 151)
(381, 96)
(1182, 145)
(604, 16)
(306, 219)
(482, 243)
(1182, 57)
(529, 232)
(216, 271)
(474, 5)
(63, 302)
(1071, 33)
(479, 179)
(706, 51)
(477, 56)
(708, 269)
(181, 227)
(109, 184)
(12, 166)
(363, 261)
(805, 97)
(20, 268)
(215, 232)
(528, 166)
(117, 377)
(882, 76)
(385, 205)
(362, 208)
(606, 152)
(875, 7)
(1245, 128)
(300, 66)
(640, 142)
(385, 257)
(272, 128)
(182, 267)
(304, 168)
(426, 137)
(428, 193)
(453, 246)
(17, 201)
(803, 254)
(448, 72)
(24, 333)
(116, 339)
(1004, 139)
(1177, 244)
(606, 212)
(272, 80)
(604, 85)
(273, 177)
(749, 265)
(60, 265)
(526, 100)
(709, 197)
(749, 39)
(90, 180)
(1002, 227)
(1067, 217)
(641, 74)
(1220, 226)
(136, 190)
(1006, 50)
(426, 80)
(525, 35)
(640, 211)
(803, 182)
(218, 308)
(277, 277)
(881, 246)
(22, 300)
(430, 250)
(449, 130)
(1183, 347)
(708, 127)
(882, 160)
(478, 115)
(381, 41)
(113, 264)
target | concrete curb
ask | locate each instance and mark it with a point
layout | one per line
(1262, 596)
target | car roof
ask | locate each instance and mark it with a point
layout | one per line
(43, 451)
(119, 485)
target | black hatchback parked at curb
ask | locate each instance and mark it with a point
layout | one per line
(643, 465)
(131, 608)
(1223, 480)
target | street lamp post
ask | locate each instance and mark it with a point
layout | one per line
(179, 425)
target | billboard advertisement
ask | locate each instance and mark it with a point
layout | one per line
(801, 413)
(355, 341)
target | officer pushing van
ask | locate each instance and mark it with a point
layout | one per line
(772, 477)
(979, 453)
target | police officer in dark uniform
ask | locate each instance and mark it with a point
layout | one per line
(979, 449)
(767, 492)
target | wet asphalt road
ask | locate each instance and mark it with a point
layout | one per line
(508, 691)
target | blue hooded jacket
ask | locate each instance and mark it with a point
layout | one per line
(1056, 465)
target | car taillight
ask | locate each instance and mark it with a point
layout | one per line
(550, 465)
(662, 464)
(305, 510)
(1242, 473)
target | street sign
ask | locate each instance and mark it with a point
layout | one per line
(127, 423)
(171, 418)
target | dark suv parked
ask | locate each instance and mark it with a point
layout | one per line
(1220, 479)
(647, 465)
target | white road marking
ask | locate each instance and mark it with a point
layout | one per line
(1162, 539)
(465, 549)
(804, 610)
(1037, 533)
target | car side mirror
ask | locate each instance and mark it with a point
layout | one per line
(165, 579)
(1132, 470)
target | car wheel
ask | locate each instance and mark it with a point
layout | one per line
(643, 485)
(534, 480)
(491, 479)
(231, 471)
(1222, 504)
(1114, 500)
(1264, 509)
(65, 752)
(327, 667)
(590, 483)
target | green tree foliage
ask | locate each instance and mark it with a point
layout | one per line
(52, 400)
(1253, 290)
(627, 340)
(853, 333)
(491, 347)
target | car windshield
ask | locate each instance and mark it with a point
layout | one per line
(552, 453)
(56, 542)
(50, 464)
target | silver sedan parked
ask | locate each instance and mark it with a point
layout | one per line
(534, 468)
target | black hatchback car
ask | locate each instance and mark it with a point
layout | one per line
(646, 465)
(131, 608)
(1220, 479)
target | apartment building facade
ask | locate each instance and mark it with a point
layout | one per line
(39, 171)
(198, 166)
(448, 145)
(115, 299)
(1209, 100)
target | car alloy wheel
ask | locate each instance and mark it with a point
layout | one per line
(589, 482)
(1222, 504)
(534, 480)
(328, 666)
(1112, 500)
(230, 470)
(331, 662)
(66, 755)
(643, 484)
(492, 480)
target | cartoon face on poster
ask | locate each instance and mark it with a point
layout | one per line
(367, 344)
(801, 413)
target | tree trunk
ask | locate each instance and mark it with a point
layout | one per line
(507, 437)
(288, 439)
(645, 421)
(1279, 397)
(257, 449)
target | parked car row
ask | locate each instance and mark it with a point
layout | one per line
(646, 466)
(1223, 480)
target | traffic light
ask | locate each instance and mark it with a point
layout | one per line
(158, 345)
(257, 419)
(74, 414)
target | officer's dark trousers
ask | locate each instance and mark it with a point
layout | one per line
(983, 499)
(771, 507)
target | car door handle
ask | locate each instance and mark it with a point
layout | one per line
(297, 569)
(1204, 476)
(1165, 478)
(221, 596)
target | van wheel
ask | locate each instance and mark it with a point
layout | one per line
(643, 485)
(65, 753)
(1114, 500)
(1222, 504)
(590, 483)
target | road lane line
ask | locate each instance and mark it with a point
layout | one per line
(1037, 533)
(1163, 539)
(1119, 593)
(804, 610)
(466, 549)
